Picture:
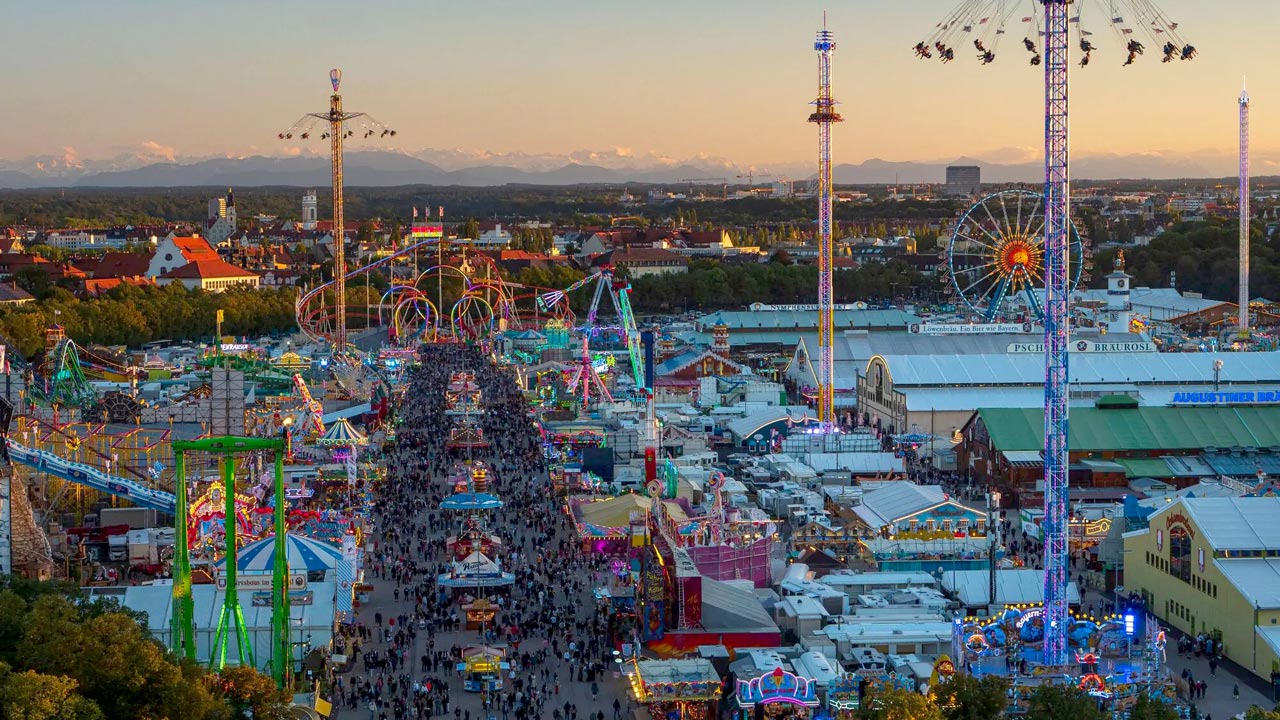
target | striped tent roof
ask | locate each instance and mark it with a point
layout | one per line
(341, 433)
(304, 554)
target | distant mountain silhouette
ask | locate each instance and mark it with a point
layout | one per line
(385, 168)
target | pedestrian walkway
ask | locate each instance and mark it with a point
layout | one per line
(548, 622)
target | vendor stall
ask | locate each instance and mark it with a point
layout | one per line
(677, 689)
(778, 693)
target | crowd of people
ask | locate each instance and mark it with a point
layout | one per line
(547, 623)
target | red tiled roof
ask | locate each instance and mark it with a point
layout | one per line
(193, 247)
(205, 269)
(122, 265)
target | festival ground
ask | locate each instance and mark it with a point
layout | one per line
(549, 606)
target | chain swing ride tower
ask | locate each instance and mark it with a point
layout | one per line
(824, 115)
(335, 126)
(982, 23)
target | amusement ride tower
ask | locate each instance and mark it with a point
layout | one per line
(824, 115)
(1244, 212)
(982, 23)
(336, 126)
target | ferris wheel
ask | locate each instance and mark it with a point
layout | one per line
(997, 253)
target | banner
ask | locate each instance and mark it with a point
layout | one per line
(423, 232)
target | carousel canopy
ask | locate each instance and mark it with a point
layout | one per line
(471, 501)
(304, 554)
(341, 433)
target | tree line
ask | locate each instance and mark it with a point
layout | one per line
(64, 658)
(1201, 257)
(711, 285)
(131, 315)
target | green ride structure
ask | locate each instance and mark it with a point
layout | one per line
(231, 618)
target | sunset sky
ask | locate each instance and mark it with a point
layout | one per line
(679, 78)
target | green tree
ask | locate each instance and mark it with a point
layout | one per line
(782, 257)
(29, 695)
(1147, 709)
(470, 229)
(366, 232)
(965, 697)
(248, 689)
(1056, 702)
(34, 280)
(899, 705)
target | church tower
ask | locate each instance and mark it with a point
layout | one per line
(309, 210)
(1119, 308)
(231, 209)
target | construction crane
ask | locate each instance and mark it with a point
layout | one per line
(724, 185)
(752, 175)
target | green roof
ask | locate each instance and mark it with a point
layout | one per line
(1146, 467)
(1143, 428)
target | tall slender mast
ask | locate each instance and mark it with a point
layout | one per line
(1057, 228)
(1244, 212)
(824, 115)
(336, 119)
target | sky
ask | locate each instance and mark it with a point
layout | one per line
(678, 78)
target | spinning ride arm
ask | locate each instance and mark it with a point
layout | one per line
(313, 405)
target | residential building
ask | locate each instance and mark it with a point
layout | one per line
(212, 274)
(641, 262)
(174, 252)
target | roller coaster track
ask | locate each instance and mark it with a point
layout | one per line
(306, 317)
(91, 477)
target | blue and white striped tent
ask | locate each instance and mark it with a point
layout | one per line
(305, 555)
(340, 433)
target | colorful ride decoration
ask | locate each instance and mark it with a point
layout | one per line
(473, 538)
(342, 440)
(206, 521)
(466, 435)
(1005, 233)
(1022, 625)
(314, 407)
(688, 689)
(778, 686)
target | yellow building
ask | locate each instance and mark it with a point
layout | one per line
(1212, 565)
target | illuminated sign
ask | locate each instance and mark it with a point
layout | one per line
(235, 347)
(1226, 398)
(1028, 616)
(1181, 520)
(966, 329)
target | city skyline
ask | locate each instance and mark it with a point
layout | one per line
(723, 81)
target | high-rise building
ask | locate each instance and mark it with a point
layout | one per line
(964, 179)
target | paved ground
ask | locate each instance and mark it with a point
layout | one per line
(1219, 701)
